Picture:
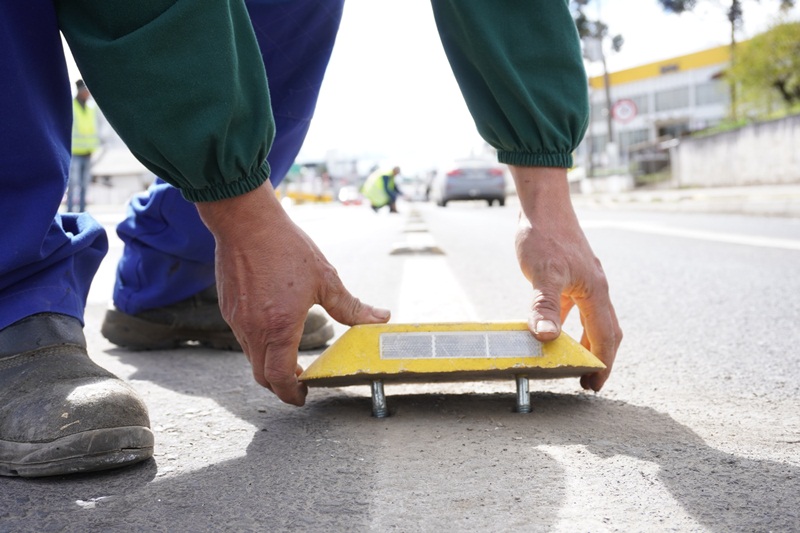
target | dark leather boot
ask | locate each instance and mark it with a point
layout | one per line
(196, 319)
(60, 413)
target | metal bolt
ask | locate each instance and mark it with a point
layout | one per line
(379, 409)
(523, 394)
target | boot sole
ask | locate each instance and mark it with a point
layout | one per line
(134, 333)
(137, 334)
(317, 338)
(89, 451)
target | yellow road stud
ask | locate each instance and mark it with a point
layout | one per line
(438, 352)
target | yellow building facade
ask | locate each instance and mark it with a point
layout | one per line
(652, 102)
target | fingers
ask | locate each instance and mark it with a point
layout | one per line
(567, 303)
(272, 353)
(349, 310)
(602, 336)
(279, 372)
(545, 317)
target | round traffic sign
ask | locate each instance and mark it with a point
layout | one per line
(624, 110)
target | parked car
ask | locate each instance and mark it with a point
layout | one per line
(350, 195)
(469, 179)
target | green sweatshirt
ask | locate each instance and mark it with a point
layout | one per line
(183, 83)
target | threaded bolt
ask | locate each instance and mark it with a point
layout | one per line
(523, 394)
(379, 408)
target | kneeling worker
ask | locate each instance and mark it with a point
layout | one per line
(381, 189)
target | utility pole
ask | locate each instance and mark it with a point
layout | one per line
(609, 114)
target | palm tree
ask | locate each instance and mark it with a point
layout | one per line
(735, 14)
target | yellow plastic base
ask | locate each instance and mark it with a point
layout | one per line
(408, 353)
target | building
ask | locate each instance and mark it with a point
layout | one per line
(651, 104)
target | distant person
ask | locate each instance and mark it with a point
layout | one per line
(381, 189)
(85, 140)
(184, 85)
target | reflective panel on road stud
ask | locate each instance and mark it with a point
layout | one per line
(436, 352)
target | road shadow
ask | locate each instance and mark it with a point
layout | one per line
(441, 461)
(722, 491)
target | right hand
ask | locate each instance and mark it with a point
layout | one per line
(556, 258)
(269, 274)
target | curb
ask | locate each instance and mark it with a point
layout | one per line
(773, 202)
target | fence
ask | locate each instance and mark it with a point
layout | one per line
(762, 153)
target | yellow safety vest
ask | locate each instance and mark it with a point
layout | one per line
(373, 189)
(84, 129)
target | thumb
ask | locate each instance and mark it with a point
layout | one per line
(346, 309)
(545, 318)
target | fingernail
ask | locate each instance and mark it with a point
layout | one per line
(382, 314)
(545, 326)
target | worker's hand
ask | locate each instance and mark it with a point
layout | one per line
(556, 258)
(269, 274)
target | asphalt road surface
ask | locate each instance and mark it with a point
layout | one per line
(698, 428)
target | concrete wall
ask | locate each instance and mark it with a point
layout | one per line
(758, 154)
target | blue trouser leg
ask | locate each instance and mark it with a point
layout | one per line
(79, 178)
(169, 253)
(47, 261)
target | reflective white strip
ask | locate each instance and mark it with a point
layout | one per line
(459, 345)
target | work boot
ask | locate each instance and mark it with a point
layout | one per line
(196, 319)
(60, 413)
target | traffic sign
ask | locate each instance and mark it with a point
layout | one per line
(624, 110)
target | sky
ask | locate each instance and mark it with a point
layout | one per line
(390, 97)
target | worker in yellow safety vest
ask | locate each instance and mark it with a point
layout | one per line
(381, 189)
(85, 140)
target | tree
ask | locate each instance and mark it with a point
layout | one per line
(735, 14)
(593, 33)
(593, 28)
(768, 68)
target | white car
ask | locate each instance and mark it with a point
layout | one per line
(470, 179)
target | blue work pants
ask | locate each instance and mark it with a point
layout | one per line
(47, 259)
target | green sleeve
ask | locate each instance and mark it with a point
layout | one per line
(519, 66)
(183, 83)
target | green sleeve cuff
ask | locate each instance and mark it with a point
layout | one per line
(519, 67)
(183, 84)
(229, 190)
(523, 159)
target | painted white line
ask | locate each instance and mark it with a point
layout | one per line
(417, 243)
(730, 238)
(429, 292)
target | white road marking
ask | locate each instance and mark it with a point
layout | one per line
(429, 292)
(715, 236)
